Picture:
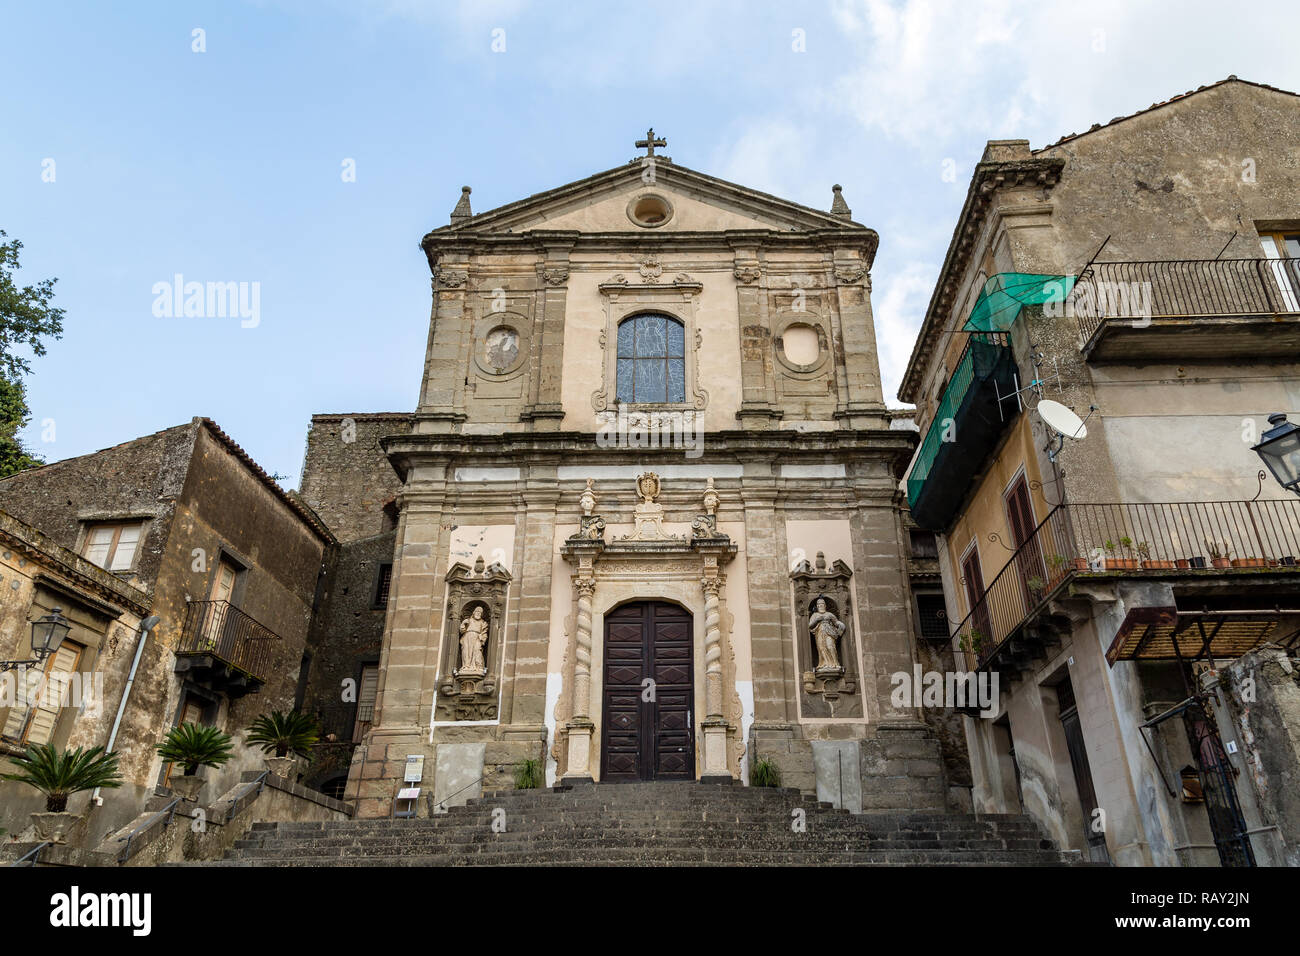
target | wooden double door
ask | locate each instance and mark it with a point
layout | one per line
(646, 719)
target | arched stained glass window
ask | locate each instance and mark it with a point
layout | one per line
(651, 359)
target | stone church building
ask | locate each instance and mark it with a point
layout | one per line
(645, 522)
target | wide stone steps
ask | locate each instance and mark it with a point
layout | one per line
(670, 824)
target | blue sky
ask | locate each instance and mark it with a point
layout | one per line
(226, 165)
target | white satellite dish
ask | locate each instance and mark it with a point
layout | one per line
(1061, 420)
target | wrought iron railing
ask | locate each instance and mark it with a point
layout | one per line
(1183, 288)
(224, 631)
(1141, 538)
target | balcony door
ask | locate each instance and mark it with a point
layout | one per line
(1029, 556)
(973, 578)
(1284, 250)
(223, 592)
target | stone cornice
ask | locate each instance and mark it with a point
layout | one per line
(989, 177)
(778, 446)
(71, 570)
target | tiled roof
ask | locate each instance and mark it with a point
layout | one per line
(1233, 78)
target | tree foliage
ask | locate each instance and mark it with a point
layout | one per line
(27, 319)
(27, 316)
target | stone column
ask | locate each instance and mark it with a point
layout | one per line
(714, 723)
(580, 726)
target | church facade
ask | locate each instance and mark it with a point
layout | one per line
(645, 520)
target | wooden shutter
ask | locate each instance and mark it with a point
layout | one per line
(35, 724)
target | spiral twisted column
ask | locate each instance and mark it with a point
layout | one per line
(712, 647)
(582, 649)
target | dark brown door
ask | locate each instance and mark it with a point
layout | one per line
(646, 721)
(1094, 835)
(982, 643)
(1029, 556)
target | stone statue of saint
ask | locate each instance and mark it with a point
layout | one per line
(826, 629)
(473, 635)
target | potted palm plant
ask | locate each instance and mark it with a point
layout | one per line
(286, 735)
(59, 774)
(193, 746)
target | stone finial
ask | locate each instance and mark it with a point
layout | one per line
(462, 210)
(710, 499)
(838, 206)
(588, 499)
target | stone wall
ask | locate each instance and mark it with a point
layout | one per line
(346, 477)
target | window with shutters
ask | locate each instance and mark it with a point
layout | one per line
(34, 717)
(367, 690)
(113, 546)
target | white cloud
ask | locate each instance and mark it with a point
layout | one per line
(898, 303)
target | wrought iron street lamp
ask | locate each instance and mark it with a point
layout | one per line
(1279, 449)
(48, 633)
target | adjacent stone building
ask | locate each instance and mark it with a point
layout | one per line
(183, 525)
(1110, 565)
(647, 511)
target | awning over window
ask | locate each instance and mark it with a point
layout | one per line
(1167, 634)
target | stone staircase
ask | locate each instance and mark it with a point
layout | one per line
(653, 824)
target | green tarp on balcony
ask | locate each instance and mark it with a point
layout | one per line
(1006, 293)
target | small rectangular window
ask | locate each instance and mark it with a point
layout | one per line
(113, 546)
(367, 691)
(383, 584)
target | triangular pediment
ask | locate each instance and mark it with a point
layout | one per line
(607, 203)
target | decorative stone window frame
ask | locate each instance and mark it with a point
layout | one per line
(484, 326)
(820, 325)
(679, 300)
(641, 197)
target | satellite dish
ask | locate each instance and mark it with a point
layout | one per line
(1061, 419)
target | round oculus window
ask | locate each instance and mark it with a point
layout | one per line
(799, 342)
(649, 211)
(501, 348)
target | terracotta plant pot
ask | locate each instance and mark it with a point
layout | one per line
(54, 827)
(187, 787)
(1182, 564)
(1079, 564)
(280, 766)
(1121, 564)
(1158, 565)
(1221, 562)
(1249, 563)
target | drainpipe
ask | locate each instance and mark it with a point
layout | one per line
(147, 625)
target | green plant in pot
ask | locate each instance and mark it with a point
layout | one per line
(59, 774)
(529, 774)
(286, 735)
(1035, 585)
(191, 746)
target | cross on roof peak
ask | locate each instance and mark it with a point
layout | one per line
(649, 143)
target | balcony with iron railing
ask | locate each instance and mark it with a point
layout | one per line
(1187, 309)
(964, 429)
(1096, 541)
(222, 646)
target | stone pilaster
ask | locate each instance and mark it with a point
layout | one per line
(758, 408)
(544, 408)
(863, 403)
(768, 582)
(442, 403)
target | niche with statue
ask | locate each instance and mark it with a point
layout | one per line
(470, 660)
(826, 646)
